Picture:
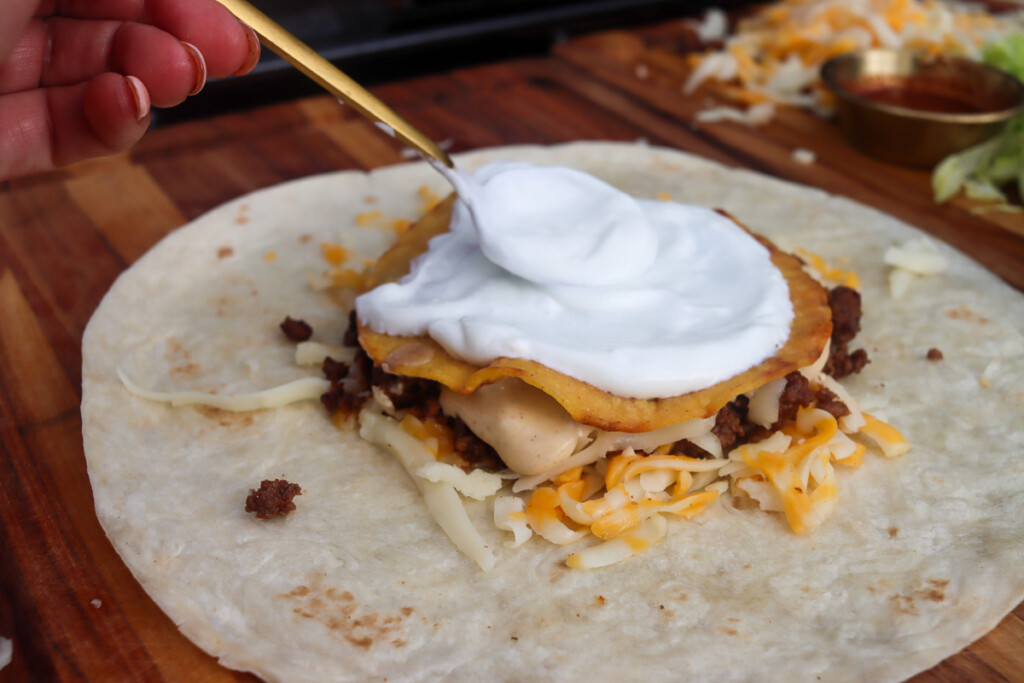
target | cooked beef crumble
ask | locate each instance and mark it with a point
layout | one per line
(272, 499)
(846, 311)
(733, 428)
(296, 330)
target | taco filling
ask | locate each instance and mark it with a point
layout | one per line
(919, 558)
(467, 366)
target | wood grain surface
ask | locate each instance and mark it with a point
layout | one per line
(72, 609)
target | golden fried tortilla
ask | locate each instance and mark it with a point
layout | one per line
(422, 357)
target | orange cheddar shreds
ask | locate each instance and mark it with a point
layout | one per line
(335, 254)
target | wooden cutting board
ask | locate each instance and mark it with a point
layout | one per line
(71, 607)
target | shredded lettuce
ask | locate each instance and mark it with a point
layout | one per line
(985, 168)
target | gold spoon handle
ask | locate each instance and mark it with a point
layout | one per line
(303, 58)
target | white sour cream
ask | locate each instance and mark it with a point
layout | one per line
(641, 298)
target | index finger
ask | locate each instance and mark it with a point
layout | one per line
(227, 44)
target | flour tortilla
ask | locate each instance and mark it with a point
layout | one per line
(921, 557)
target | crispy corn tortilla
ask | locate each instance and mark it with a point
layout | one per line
(809, 333)
(921, 557)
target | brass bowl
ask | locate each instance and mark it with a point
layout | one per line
(901, 107)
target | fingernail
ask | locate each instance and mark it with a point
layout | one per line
(139, 95)
(253, 58)
(200, 64)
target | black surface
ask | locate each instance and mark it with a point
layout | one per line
(376, 41)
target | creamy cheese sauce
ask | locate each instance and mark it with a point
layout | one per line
(528, 429)
(641, 298)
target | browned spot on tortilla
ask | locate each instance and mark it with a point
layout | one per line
(174, 349)
(728, 630)
(894, 531)
(935, 591)
(186, 370)
(903, 604)
(305, 238)
(366, 642)
(226, 418)
(732, 619)
(600, 600)
(242, 217)
(337, 610)
(964, 313)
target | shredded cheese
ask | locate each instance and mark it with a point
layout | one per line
(304, 389)
(775, 54)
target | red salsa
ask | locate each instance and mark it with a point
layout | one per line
(920, 94)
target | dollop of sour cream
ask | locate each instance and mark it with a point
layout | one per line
(640, 298)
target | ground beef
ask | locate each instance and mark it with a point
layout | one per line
(477, 452)
(405, 392)
(296, 330)
(272, 499)
(844, 303)
(796, 395)
(733, 428)
(934, 354)
(690, 449)
(842, 363)
(830, 403)
(351, 337)
(846, 311)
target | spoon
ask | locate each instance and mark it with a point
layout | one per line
(329, 77)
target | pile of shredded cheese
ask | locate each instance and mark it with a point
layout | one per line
(775, 55)
(620, 499)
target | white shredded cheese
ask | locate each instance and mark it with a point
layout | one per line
(311, 353)
(304, 389)
(477, 484)
(509, 516)
(899, 282)
(625, 545)
(441, 498)
(763, 408)
(988, 376)
(804, 156)
(916, 258)
(920, 256)
(757, 115)
(713, 26)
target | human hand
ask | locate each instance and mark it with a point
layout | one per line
(78, 77)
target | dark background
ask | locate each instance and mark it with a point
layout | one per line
(374, 41)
